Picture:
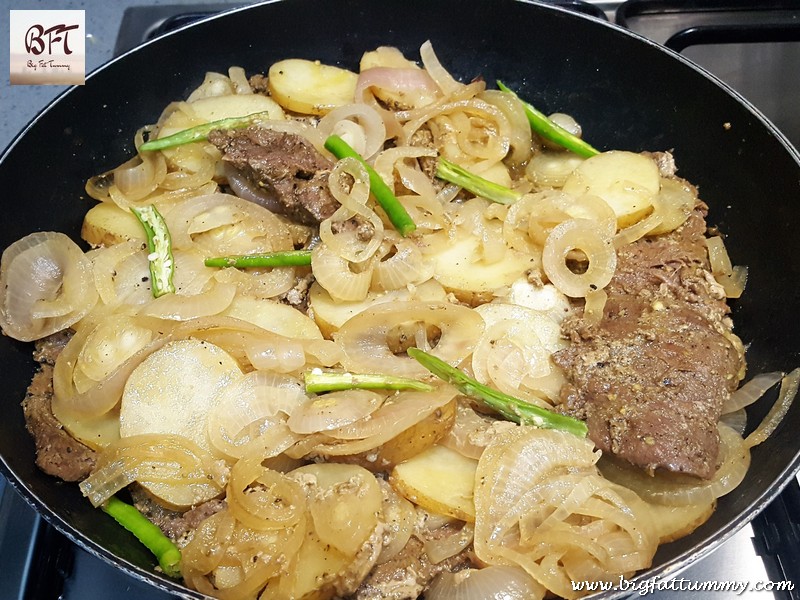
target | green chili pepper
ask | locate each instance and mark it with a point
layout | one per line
(391, 205)
(511, 408)
(475, 183)
(159, 246)
(167, 553)
(288, 258)
(200, 132)
(322, 381)
(543, 126)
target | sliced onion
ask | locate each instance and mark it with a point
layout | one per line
(471, 432)
(350, 243)
(489, 583)
(718, 256)
(415, 86)
(250, 415)
(358, 124)
(113, 341)
(446, 547)
(239, 81)
(396, 415)
(104, 271)
(734, 283)
(182, 307)
(521, 138)
(334, 410)
(344, 503)
(393, 159)
(46, 285)
(584, 235)
(401, 264)
(751, 391)
(400, 518)
(541, 505)
(514, 352)
(139, 176)
(364, 339)
(736, 420)
(263, 499)
(551, 169)
(675, 202)
(170, 460)
(336, 275)
(786, 397)
(222, 224)
(437, 72)
(639, 229)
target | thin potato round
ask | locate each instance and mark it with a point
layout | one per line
(309, 87)
(227, 107)
(625, 180)
(107, 224)
(439, 480)
(408, 443)
(172, 391)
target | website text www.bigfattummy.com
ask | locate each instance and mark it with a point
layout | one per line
(648, 586)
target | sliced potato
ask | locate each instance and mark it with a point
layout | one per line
(172, 391)
(107, 224)
(309, 87)
(236, 105)
(627, 181)
(274, 316)
(408, 443)
(331, 314)
(439, 480)
(386, 56)
(476, 281)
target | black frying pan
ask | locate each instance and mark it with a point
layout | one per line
(626, 92)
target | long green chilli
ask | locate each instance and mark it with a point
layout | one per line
(475, 183)
(320, 381)
(167, 553)
(200, 132)
(287, 258)
(542, 125)
(159, 247)
(391, 205)
(509, 407)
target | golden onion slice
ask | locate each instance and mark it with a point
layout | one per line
(541, 504)
(46, 285)
(586, 237)
(373, 341)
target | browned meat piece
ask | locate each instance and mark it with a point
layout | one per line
(46, 351)
(650, 379)
(283, 166)
(259, 84)
(176, 525)
(406, 575)
(57, 452)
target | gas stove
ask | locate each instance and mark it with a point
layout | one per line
(754, 47)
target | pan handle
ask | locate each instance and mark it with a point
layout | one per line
(734, 34)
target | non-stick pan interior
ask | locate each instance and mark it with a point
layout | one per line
(626, 92)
